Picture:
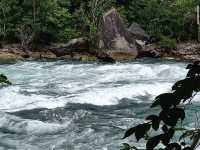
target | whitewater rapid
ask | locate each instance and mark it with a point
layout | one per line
(54, 84)
(73, 106)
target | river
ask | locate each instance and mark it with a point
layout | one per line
(75, 106)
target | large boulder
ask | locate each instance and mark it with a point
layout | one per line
(114, 36)
(138, 32)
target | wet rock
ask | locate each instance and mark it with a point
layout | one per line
(20, 52)
(84, 57)
(80, 57)
(102, 56)
(7, 57)
(74, 45)
(42, 54)
(121, 55)
(66, 57)
(151, 50)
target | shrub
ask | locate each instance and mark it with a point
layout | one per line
(167, 43)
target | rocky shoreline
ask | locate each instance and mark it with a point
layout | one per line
(184, 51)
(187, 51)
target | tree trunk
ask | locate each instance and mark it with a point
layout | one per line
(34, 12)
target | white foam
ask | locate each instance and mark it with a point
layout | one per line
(84, 83)
(12, 100)
(111, 96)
(26, 126)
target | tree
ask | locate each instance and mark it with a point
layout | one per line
(46, 20)
(62, 20)
(172, 111)
(89, 16)
(10, 17)
(46, 17)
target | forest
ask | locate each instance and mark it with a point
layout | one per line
(62, 20)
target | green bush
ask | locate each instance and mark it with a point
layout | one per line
(167, 43)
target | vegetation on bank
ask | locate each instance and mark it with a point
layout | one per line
(160, 130)
(60, 20)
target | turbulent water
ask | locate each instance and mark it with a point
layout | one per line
(72, 106)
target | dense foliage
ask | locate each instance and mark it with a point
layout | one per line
(172, 112)
(174, 18)
(61, 20)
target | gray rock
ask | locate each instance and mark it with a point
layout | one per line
(137, 32)
(150, 50)
(114, 35)
(74, 45)
(140, 44)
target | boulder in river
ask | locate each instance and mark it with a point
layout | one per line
(114, 36)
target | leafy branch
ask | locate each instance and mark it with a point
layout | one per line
(172, 111)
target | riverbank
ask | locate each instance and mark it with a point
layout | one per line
(13, 53)
(184, 51)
